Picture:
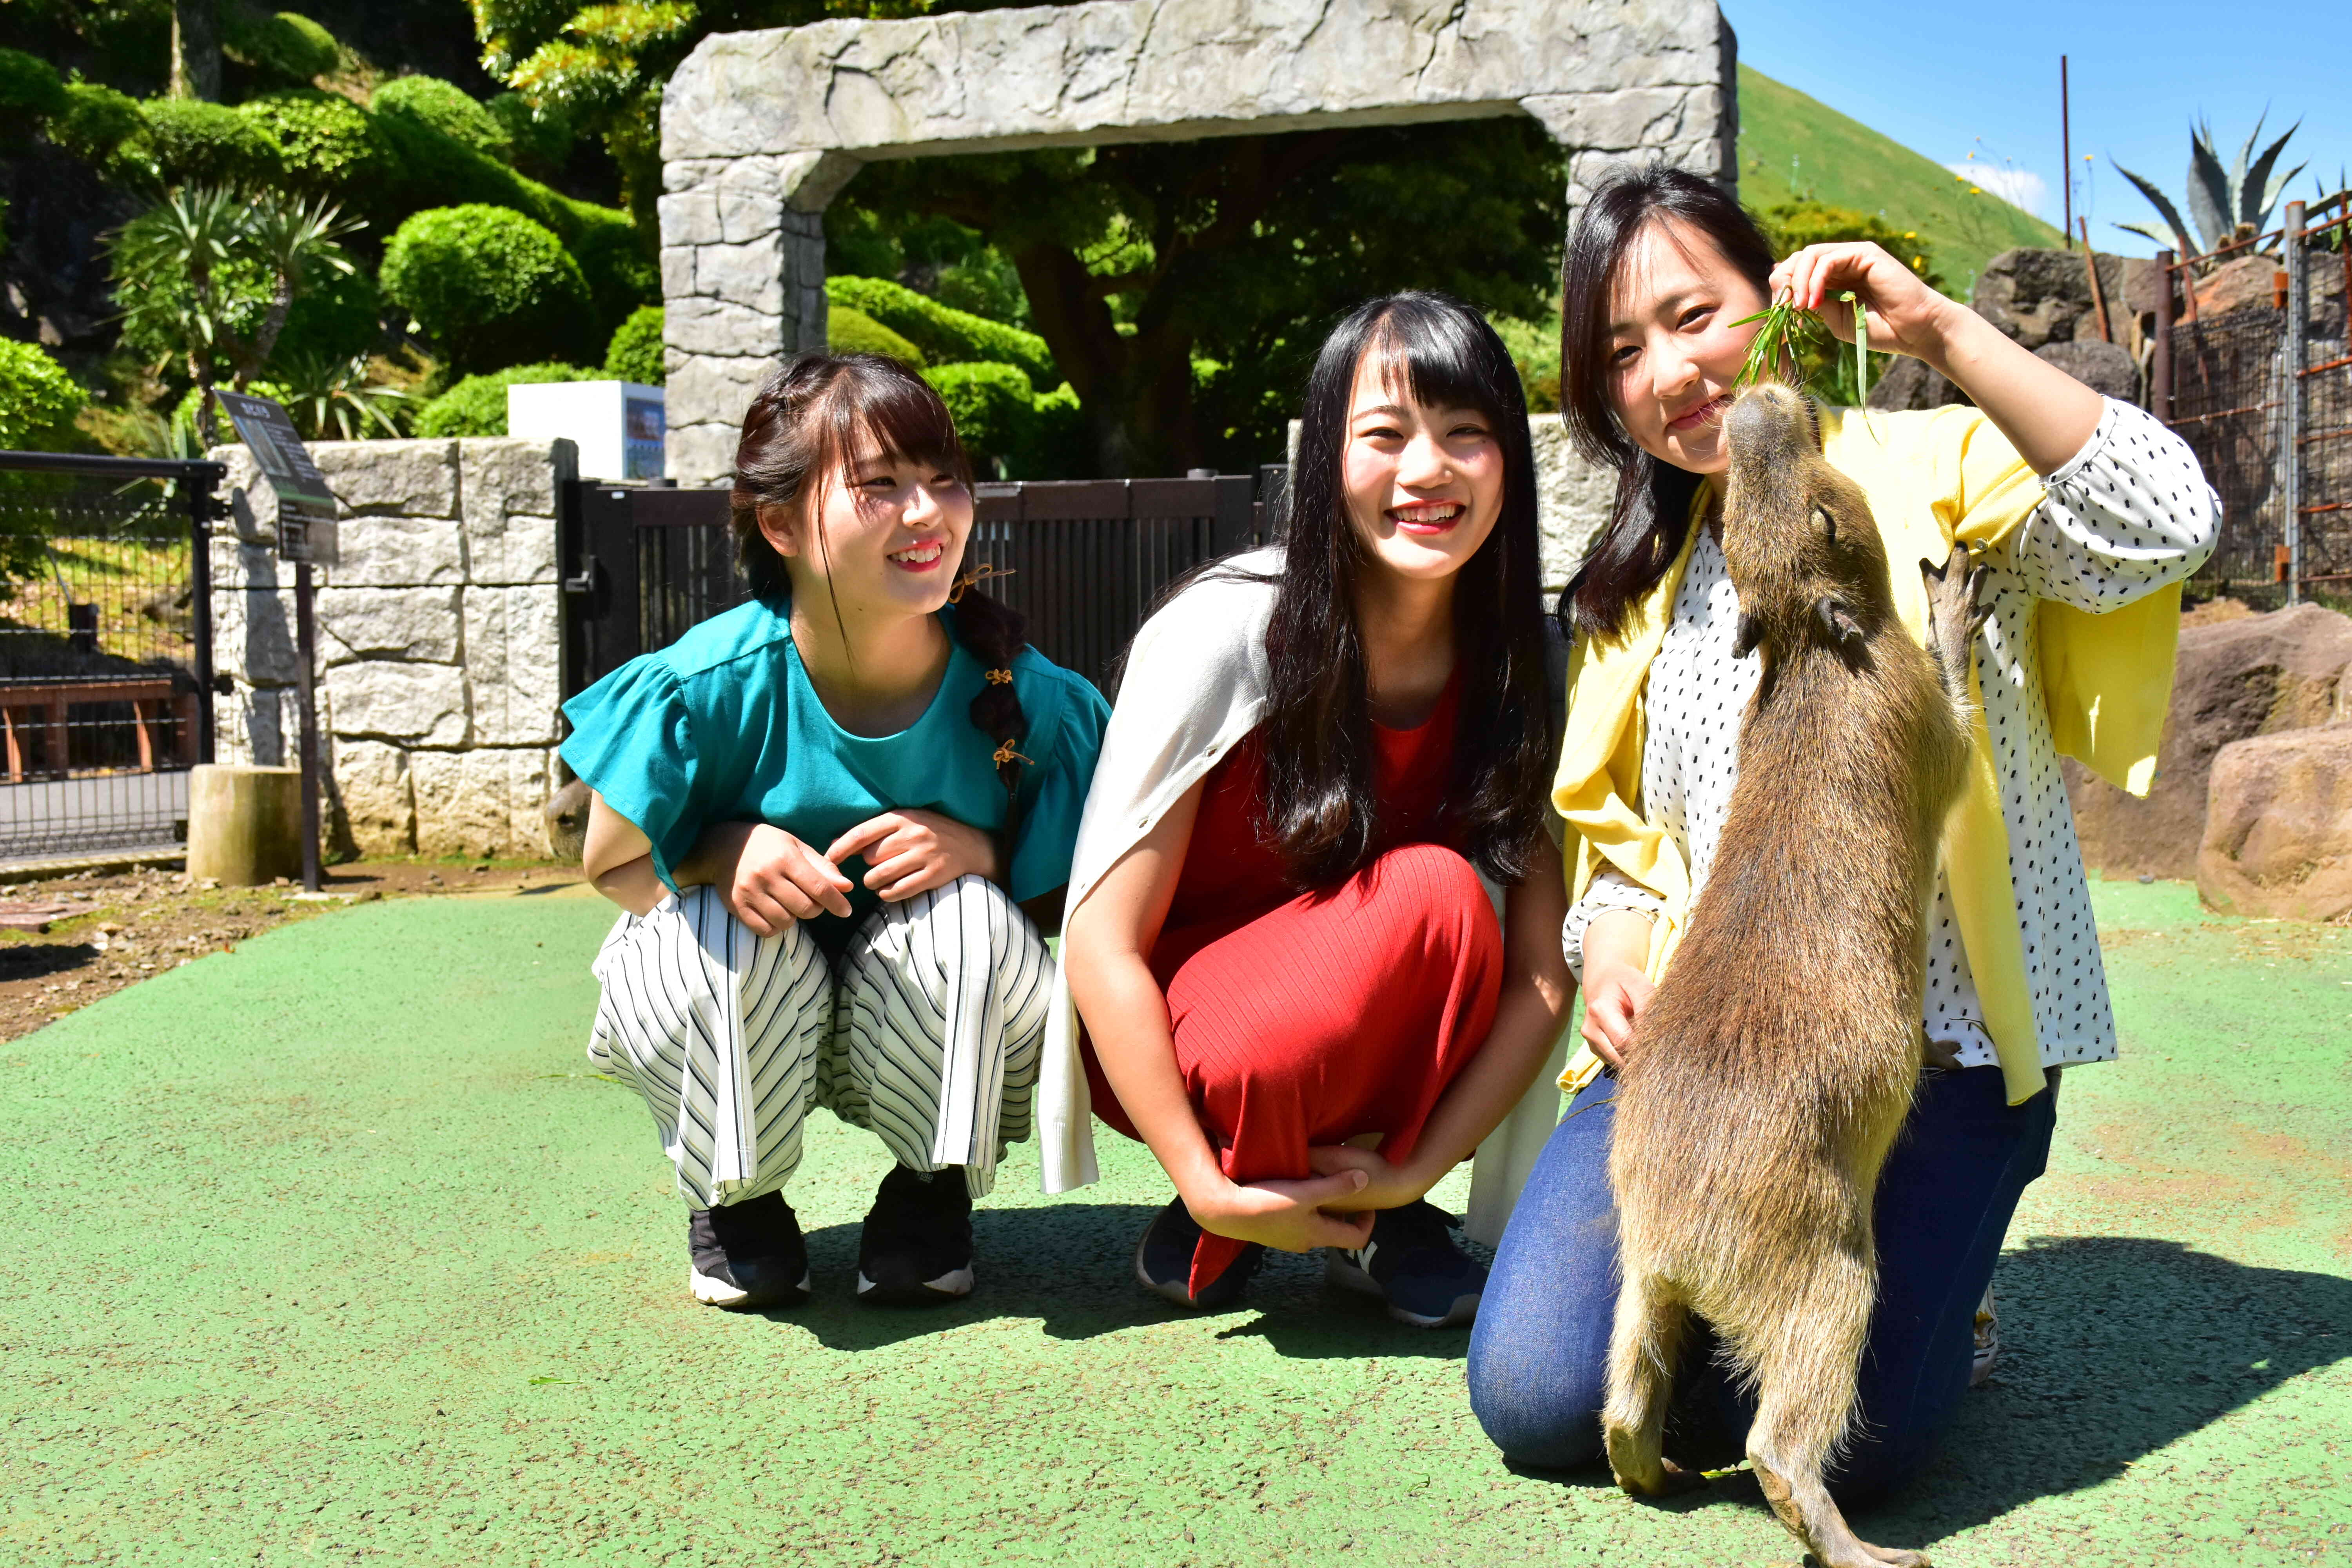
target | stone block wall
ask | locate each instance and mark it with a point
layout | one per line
(440, 622)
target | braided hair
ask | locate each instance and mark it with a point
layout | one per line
(798, 433)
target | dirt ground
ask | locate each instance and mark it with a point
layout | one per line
(80, 937)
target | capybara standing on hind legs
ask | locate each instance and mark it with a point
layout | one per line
(1776, 1063)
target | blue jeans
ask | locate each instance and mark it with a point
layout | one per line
(1539, 1354)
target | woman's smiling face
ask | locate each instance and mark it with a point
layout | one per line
(890, 533)
(1423, 486)
(1674, 351)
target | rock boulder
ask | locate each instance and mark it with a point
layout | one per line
(2106, 368)
(2255, 675)
(2278, 830)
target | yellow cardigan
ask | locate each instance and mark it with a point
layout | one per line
(2106, 680)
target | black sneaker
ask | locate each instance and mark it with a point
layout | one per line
(747, 1254)
(1411, 1262)
(1163, 1262)
(917, 1245)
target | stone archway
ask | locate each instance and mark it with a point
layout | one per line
(760, 130)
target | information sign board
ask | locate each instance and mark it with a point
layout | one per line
(304, 501)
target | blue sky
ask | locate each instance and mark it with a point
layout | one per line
(1983, 77)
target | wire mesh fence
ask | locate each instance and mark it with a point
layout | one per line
(104, 652)
(2264, 395)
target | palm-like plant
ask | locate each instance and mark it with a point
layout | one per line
(2229, 204)
(183, 270)
(333, 399)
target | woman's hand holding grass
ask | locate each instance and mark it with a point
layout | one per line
(1907, 317)
(911, 852)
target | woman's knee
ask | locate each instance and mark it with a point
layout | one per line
(1532, 1405)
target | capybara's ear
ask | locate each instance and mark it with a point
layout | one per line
(1837, 620)
(1826, 524)
(1751, 633)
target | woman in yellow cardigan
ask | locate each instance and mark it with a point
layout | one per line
(2089, 513)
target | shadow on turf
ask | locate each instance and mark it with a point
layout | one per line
(1071, 1266)
(2112, 1347)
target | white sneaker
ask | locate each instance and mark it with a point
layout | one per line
(1988, 1341)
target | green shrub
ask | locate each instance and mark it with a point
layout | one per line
(613, 255)
(95, 122)
(994, 408)
(945, 335)
(489, 286)
(326, 145)
(30, 93)
(849, 331)
(541, 138)
(446, 108)
(478, 404)
(37, 400)
(1056, 444)
(187, 141)
(338, 315)
(635, 353)
(286, 46)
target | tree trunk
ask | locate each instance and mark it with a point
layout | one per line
(195, 50)
(1136, 392)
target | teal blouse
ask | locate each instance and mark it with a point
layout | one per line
(723, 726)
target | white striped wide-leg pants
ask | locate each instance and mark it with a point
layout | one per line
(928, 1032)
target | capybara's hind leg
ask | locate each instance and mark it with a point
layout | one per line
(1643, 1348)
(1805, 1376)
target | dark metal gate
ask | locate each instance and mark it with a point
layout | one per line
(1084, 560)
(105, 650)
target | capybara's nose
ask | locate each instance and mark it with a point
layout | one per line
(1763, 418)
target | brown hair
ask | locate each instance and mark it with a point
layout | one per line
(797, 434)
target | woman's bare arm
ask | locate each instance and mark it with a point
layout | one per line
(1106, 952)
(619, 861)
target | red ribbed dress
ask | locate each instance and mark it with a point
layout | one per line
(1310, 1018)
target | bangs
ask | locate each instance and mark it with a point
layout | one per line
(878, 400)
(1444, 359)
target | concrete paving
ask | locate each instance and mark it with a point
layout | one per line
(329, 1250)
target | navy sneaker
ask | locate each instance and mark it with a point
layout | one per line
(747, 1254)
(1411, 1262)
(1163, 1262)
(916, 1247)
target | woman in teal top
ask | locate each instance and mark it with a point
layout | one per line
(835, 818)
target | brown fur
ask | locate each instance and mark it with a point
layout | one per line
(1775, 1065)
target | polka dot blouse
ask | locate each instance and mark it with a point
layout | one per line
(2129, 513)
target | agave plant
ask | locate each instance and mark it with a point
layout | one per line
(2228, 203)
(333, 399)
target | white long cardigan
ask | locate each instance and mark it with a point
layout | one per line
(1196, 684)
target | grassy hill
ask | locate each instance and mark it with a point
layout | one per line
(1790, 145)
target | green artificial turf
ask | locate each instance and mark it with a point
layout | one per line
(1793, 145)
(330, 1251)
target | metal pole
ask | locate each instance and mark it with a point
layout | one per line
(2066, 152)
(2290, 444)
(306, 653)
(203, 505)
(2159, 368)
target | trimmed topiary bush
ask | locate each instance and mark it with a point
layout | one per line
(338, 315)
(635, 353)
(30, 93)
(446, 108)
(489, 286)
(849, 331)
(39, 400)
(541, 138)
(621, 272)
(478, 404)
(947, 336)
(286, 46)
(95, 121)
(188, 140)
(326, 145)
(992, 406)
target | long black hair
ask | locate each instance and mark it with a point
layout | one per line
(1318, 801)
(1652, 514)
(798, 432)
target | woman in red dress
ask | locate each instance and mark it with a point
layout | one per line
(1290, 968)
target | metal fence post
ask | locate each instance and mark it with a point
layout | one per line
(2159, 368)
(205, 504)
(2290, 445)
